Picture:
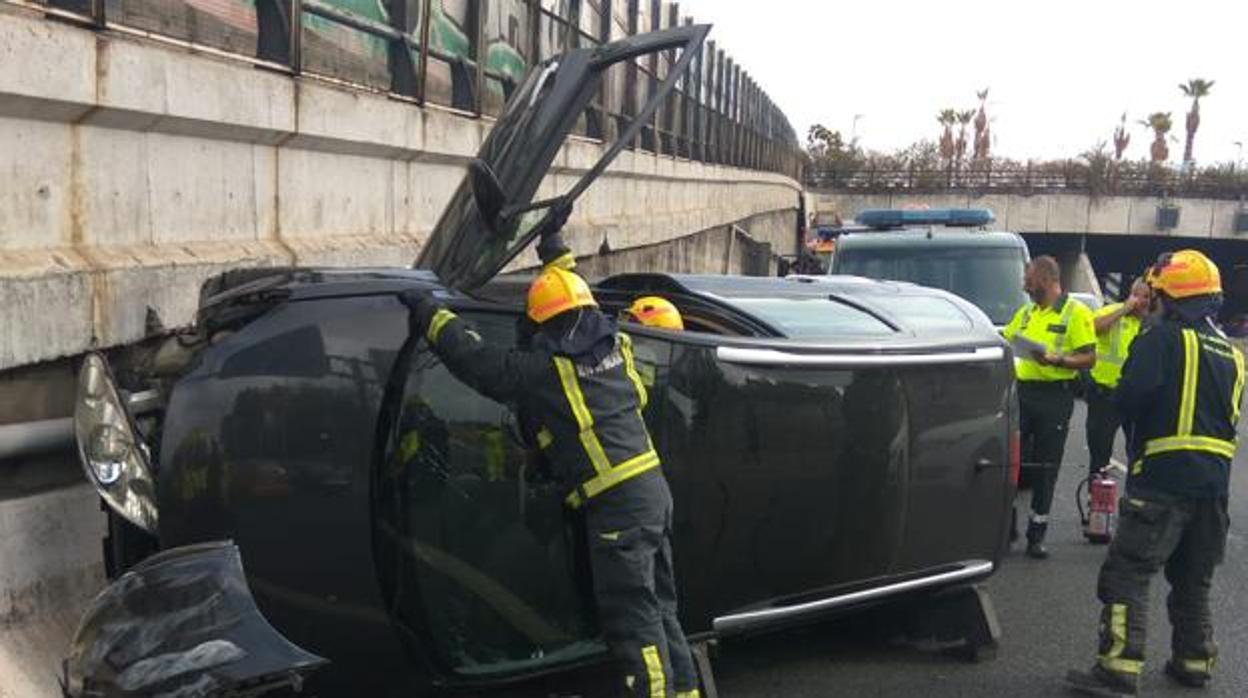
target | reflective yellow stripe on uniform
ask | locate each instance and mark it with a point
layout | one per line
(436, 324)
(654, 668)
(584, 420)
(1191, 375)
(1237, 395)
(1113, 660)
(626, 348)
(695, 693)
(1184, 440)
(627, 470)
(1122, 666)
(544, 438)
(1190, 443)
(1197, 666)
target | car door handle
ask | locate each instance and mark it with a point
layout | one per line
(984, 464)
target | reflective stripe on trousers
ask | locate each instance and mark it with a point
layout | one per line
(1117, 630)
(654, 671)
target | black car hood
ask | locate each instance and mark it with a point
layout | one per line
(181, 623)
(465, 250)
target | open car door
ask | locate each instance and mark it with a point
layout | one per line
(492, 216)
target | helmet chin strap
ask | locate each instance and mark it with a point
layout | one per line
(576, 323)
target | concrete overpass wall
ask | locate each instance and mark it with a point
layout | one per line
(1059, 213)
(134, 170)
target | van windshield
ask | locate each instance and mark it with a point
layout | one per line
(989, 277)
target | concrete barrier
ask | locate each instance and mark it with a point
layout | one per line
(135, 170)
(50, 567)
(1059, 213)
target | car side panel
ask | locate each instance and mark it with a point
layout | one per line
(269, 441)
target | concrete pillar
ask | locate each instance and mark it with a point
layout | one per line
(1078, 276)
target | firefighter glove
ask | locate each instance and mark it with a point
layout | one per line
(422, 305)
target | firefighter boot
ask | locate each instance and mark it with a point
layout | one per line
(1102, 683)
(1035, 540)
(1185, 677)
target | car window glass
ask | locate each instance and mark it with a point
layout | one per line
(476, 552)
(989, 277)
(815, 317)
(924, 312)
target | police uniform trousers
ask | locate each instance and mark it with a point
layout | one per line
(1102, 426)
(1044, 417)
(629, 532)
(1186, 536)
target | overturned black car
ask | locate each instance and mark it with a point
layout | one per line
(831, 442)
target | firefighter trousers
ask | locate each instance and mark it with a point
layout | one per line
(1044, 416)
(635, 589)
(1102, 426)
(1186, 536)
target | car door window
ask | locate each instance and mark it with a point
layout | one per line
(475, 547)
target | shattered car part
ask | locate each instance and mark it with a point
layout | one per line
(181, 624)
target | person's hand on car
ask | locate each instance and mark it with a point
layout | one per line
(422, 305)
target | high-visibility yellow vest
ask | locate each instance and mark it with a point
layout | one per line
(1061, 330)
(1113, 345)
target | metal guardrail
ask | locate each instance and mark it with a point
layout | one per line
(1073, 177)
(468, 55)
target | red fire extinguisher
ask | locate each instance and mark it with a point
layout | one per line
(1102, 507)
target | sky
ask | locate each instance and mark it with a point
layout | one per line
(1060, 74)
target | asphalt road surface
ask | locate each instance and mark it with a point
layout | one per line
(1048, 614)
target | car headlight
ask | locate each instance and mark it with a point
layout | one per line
(114, 457)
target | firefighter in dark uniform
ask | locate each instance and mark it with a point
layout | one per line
(1054, 339)
(1180, 396)
(578, 380)
(1117, 326)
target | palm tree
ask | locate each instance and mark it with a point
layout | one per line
(947, 118)
(1121, 138)
(1161, 124)
(822, 142)
(982, 139)
(964, 120)
(1195, 88)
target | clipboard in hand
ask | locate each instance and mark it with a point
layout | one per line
(1025, 348)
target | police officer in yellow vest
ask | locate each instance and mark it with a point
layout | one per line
(1180, 396)
(1116, 328)
(579, 382)
(1053, 340)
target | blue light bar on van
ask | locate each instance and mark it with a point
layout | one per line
(899, 218)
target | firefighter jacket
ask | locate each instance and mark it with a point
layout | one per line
(1180, 396)
(581, 390)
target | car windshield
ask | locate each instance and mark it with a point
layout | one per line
(817, 317)
(989, 277)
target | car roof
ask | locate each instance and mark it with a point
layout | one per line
(935, 236)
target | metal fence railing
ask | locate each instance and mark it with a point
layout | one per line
(469, 54)
(1075, 177)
